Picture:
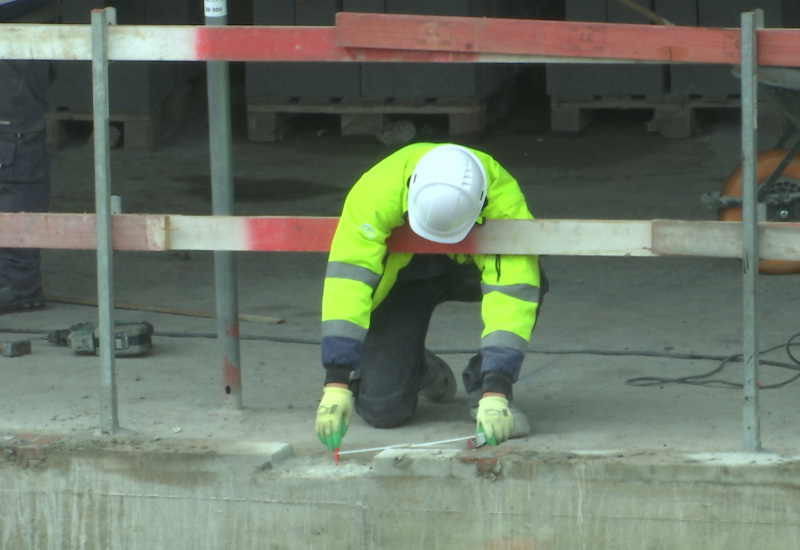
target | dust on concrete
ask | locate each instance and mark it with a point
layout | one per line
(605, 320)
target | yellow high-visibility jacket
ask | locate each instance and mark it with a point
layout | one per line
(360, 272)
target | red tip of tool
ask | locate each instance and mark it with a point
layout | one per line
(336, 456)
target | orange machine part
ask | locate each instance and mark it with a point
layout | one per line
(765, 165)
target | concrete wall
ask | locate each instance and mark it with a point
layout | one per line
(200, 495)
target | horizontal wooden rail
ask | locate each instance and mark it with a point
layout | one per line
(78, 231)
(405, 38)
(562, 39)
(153, 232)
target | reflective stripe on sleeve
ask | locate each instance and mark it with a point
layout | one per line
(341, 270)
(526, 293)
(344, 329)
(504, 339)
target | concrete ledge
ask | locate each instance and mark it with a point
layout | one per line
(202, 494)
(422, 463)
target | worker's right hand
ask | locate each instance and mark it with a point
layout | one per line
(495, 419)
(333, 415)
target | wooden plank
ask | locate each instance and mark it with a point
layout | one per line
(777, 240)
(364, 37)
(314, 234)
(546, 237)
(77, 231)
(145, 232)
(649, 102)
(567, 39)
(198, 43)
(273, 233)
(265, 233)
(268, 121)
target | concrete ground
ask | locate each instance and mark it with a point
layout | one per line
(605, 321)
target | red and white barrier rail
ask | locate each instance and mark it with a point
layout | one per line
(391, 37)
(154, 232)
(397, 38)
(563, 39)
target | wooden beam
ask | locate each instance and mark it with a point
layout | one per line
(777, 240)
(314, 234)
(77, 231)
(202, 43)
(567, 237)
(362, 37)
(275, 233)
(562, 39)
(546, 237)
(257, 233)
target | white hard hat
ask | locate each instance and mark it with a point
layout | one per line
(446, 194)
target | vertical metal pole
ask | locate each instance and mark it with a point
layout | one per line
(109, 423)
(219, 125)
(751, 417)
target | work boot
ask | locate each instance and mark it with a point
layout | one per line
(438, 381)
(19, 300)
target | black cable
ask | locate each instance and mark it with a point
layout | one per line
(209, 335)
(642, 381)
(706, 380)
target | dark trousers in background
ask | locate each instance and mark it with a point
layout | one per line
(24, 187)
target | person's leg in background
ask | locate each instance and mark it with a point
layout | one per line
(24, 187)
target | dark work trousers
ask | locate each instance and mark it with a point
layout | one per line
(388, 379)
(24, 187)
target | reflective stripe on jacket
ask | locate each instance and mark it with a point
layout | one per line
(361, 273)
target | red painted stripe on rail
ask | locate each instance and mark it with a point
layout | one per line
(298, 44)
(403, 239)
(274, 43)
(669, 44)
(286, 234)
(289, 234)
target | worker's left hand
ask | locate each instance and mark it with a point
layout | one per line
(333, 415)
(494, 419)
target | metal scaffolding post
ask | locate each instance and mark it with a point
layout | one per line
(109, 421)
(751, 417)
(225, 269)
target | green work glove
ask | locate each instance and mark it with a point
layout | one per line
(333, 415)
(494, 418)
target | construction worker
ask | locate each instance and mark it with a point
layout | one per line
(376, 306)
(24, 160)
